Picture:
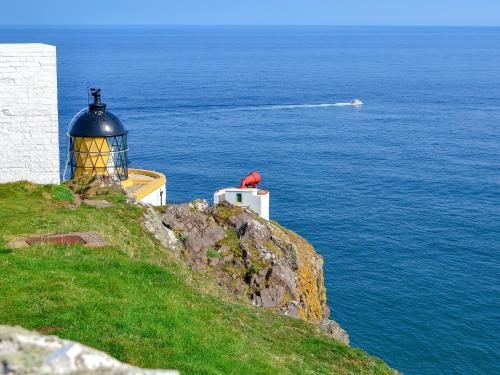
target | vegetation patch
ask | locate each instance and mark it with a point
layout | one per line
(224, 212)
(273, 248)
(211, 253)
(62, 193)
(232, 241)
(257, 263)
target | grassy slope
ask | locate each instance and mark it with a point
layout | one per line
(135, 302)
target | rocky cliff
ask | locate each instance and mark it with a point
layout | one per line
(257, 260)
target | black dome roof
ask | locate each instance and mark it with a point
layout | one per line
(97, 122)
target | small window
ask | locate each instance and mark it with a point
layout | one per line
(239, 197)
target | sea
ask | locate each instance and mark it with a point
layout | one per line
(401, 196)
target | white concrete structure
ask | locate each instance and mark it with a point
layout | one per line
(253, 198)
(29, 139)
(156, 198)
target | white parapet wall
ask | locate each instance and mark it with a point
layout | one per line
(157, 197)
(148, 187)
(29, 138)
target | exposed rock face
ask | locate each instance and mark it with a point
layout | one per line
(332, 328)
(195, 228)
(257, 259)
(166, 236)
(25, 352)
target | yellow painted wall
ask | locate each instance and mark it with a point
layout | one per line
(91, 155)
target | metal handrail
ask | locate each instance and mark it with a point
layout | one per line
(102, 152)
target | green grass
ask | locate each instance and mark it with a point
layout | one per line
(134, 301)
(211, 253)
(62, 193)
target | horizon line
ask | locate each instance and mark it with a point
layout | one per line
(245, 25)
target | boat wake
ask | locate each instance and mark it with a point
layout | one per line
(355, 103)
(321, 105)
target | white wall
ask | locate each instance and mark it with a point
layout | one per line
(29, 141)
(157, 197)
(251, 198)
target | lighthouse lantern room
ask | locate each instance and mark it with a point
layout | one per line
(98, 142)
(98, 146)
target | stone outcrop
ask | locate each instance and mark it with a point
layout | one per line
(23, 353)
(332, 329)
(255, 259)
(167, 237)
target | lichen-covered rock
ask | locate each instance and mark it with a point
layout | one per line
(270, 266)
(289, 262)
(254, 258)
(273, 267)
(24, 353)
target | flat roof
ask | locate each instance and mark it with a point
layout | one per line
(26, 46)
(238, 189)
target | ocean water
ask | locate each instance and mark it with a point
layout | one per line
(400, 196)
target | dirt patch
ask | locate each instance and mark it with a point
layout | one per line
(49, 329)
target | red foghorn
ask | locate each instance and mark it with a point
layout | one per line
(251, 180)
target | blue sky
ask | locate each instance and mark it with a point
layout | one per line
(253, 12)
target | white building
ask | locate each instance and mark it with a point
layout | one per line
(253, 198)
(29, 138)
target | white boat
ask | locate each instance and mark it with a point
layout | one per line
(356, 102)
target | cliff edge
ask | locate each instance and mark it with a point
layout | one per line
(255, 259)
